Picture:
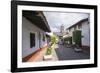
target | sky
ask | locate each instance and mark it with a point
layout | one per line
(56, 19)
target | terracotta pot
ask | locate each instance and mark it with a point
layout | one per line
(47, 57)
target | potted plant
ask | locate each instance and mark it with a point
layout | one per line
(48, 55)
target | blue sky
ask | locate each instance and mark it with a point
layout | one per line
(56, 19)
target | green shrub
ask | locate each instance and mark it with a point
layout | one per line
(49, 51)
(53, 39)
(77, 37)
(68, 39)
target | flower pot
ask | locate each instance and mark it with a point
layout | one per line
(78, 49)
(47, 57)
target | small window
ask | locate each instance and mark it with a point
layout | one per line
(43, 37)
(69, 29)
(75, 28)
(79, 26)
(32, 40)
(88, 22)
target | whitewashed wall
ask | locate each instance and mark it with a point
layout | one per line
(86, 34)
(71, 31)
(28, 27)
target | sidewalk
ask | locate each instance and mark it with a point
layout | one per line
(39, 55)
(55, 57)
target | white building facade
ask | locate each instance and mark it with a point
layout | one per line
(84, 27)
(85, 33)
(33, 37)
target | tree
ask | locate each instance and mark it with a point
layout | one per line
(77, 37)
(53, 39)
(67, 39)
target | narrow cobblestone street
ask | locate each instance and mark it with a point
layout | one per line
(65, 53)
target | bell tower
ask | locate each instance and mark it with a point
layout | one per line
(62, 28)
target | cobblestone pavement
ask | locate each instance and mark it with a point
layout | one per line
(65, 53)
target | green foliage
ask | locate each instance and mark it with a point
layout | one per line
(49, 51)
(68, 39)
(77, 37)
(53, 39)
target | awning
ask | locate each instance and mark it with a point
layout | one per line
(33, 17)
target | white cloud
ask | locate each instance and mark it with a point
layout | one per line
(56, 19)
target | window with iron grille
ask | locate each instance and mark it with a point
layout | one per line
(32, 40)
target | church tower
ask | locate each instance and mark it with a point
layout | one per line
(62, 28)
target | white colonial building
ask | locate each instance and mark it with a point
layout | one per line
(84, 26)
(34, 28)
